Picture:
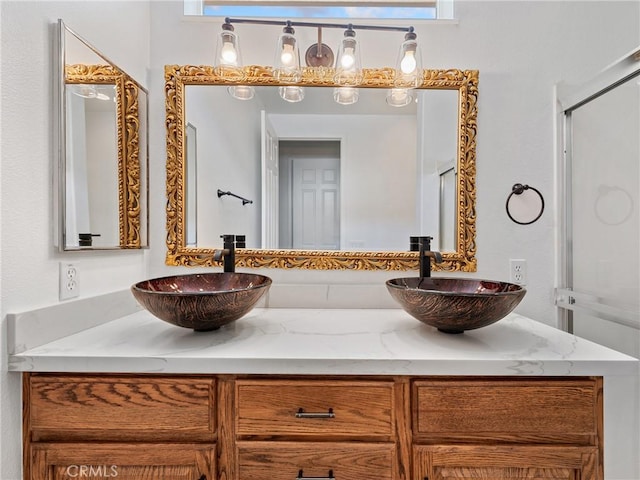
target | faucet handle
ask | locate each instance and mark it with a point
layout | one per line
(416, 241)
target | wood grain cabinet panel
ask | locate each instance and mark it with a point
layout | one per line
(100, 461)
(467, 462)
(121, 408)
(327, 408)
(298, 460)
(226, 427)
(532, 411)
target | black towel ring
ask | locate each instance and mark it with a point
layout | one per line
(518, 189)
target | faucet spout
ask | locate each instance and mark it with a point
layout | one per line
(218, 254)
(437, 256)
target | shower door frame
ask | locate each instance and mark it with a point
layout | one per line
(568, 99)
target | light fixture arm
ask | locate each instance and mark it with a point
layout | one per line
(318, 24)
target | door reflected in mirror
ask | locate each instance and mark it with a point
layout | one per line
(101, 172)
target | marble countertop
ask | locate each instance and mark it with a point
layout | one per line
(324, 341)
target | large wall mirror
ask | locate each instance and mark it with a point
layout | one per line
(101, 150)
(316, 184)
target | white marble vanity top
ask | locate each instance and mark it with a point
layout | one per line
(324, 341)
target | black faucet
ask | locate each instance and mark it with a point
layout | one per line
(228, 252)
(422, 245)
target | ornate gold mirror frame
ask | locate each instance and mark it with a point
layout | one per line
(462, 259)
(128, 128)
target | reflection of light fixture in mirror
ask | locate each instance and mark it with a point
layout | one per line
(348, 64)
(399, 97)
(292, 94)
(90, 91)
(287, 62)
(241, 92)
(85, 91)
(409, 64)
(345, 95)
(228, 59)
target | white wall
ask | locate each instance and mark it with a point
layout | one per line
(221, 143)
(522, 48)
(29, 262)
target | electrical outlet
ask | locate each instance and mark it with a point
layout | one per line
(518, 271)
(69, 286)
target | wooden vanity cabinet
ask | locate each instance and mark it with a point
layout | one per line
(507, 428)
(228, 427)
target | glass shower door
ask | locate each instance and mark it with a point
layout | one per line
(601, 292)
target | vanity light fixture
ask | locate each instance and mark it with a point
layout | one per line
(348, 66)
(409, 64)
(228, 58)
(287, 62)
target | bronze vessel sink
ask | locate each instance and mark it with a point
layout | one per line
(454, 305)
(202, 301)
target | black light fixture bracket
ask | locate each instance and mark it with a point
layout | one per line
(290, 23)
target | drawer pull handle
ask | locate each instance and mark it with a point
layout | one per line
(328, 477)
(302, 414)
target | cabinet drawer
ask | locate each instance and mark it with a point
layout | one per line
(291, 461)
(544, 410)
(121, 408)
(298, 407)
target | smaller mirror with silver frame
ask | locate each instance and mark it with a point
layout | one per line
(100, 152)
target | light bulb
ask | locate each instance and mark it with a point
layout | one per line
(286, 57)
(408, 63)
(348, 58)
(228, 53)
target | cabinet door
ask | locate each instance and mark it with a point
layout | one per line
(466, 462)
(65, 461)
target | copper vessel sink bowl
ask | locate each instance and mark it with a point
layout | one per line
(454, 305)
(202, 301)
